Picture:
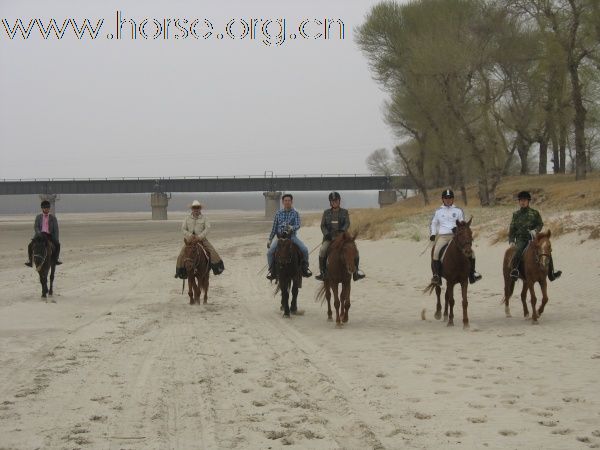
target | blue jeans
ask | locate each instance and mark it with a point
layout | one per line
(271, 252)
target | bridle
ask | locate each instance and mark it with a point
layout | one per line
(197, 249)
(463, 244)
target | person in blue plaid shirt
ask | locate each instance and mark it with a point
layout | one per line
(286, 221)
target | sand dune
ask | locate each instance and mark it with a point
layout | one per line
(121, 361)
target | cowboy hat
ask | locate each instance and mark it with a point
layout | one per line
(196, 203)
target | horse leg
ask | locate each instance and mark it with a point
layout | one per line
(509, 287)
(197, 289)
(191, 288)
(544, 285)
(534, 314)
(44, 283)
(285, 297)
(52, 269)
(450, 303)
(336, 304)
(524, 299)
(346, 300)
(438, 306)
(446, 303)
(328, 297)
(464, 285)
(294, 306)
(206, 280)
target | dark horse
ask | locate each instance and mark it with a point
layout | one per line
(533, 269)
(341, 264)
(456, 266)
(288, 274)
(44, 262)
(197, 266)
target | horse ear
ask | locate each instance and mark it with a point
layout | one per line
(469, 222)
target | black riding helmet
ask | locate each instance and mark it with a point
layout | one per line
(334, 196)
(448, 193)
(524, 195)
(45, 204)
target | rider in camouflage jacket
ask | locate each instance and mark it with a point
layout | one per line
(525, 224)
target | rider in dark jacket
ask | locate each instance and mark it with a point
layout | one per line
(525, 224)
(334, 222)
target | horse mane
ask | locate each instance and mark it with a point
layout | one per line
(342, 240)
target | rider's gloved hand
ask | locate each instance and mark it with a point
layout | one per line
(432, 237)
(269, 243)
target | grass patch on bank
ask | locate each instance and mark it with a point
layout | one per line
(551, 194)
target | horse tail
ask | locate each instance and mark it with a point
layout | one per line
(509, 287)
(321, 294)
(429, 289)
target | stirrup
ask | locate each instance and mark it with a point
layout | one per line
(306, 273)
(29, 264)
(58, 263)
(514, 273)
(437, 280)
(270, 276)
(320, 276)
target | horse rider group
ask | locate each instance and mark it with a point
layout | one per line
(525, 224)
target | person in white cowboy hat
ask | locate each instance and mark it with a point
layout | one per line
(195, 228)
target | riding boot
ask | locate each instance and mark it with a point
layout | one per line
(473, 275)
(322, 263)
(29, 253)
(271, 275)
(306, 273)
(181, 273)
(552, 275)
(358, 274)
(514, 273)
(218, 268)
(436, 269)
(57, 253)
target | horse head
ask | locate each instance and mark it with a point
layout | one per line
(346, 246)
(284, 256)
(39, 251)
(543, 249)
(464, 237)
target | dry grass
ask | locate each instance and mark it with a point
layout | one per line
(553, 195)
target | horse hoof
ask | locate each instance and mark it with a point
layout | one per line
(466, 326)
(286, 316)
(534, 322)
(450, 324)
(330, 319)
(438, 315)
(508, 315)
(339, 325)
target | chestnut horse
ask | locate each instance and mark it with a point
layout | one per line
(288, 274)
(197, 266)
(44, 262)
(456, 266)
(341, 264)
(533, 269)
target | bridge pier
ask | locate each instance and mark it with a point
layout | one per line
(159, 202)
(272, 200)
(386, 198)
(52, 199)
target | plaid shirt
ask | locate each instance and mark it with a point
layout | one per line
(284, 218)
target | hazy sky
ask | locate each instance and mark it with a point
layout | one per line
(186, 107)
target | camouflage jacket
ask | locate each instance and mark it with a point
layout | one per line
(523, 221)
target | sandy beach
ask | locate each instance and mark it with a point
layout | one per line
(121, 361)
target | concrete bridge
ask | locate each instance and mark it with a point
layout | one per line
(160, 189)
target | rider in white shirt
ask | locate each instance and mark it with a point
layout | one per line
(442, 225)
